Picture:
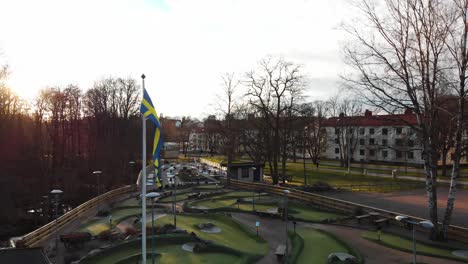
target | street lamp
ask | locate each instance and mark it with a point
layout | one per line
(98, 173)
(56, 194)
(152, 195)
(132, 163)
(253, 192)
(173, 178)
(286, 192)
(425, 224)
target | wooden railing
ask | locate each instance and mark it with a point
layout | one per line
(328, 203)
(37, 236)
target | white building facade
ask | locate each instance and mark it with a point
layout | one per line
(374, 139)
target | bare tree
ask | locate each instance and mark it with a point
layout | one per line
(398, 62)
(270, 89)
(458, 50)
(227, 104)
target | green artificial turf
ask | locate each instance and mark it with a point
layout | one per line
(179, 197)
(97, 225)
(232, 234)
(171, 254)
(299, 211)
(317, 246)
(405, 244)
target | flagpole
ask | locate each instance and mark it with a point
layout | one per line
(143, 185)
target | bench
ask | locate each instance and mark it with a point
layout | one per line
(359, 217)
(381, 220)
(280, 251)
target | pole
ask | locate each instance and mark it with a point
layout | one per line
(56, 227)
(414, 245)
(286, 216)
(143, 185)
(253, 200)
(152, 230)
(349, 152)
(303, 158)
(174, 201)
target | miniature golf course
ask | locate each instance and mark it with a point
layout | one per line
(313, 246)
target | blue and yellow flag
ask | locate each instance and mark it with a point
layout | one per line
(148, 110)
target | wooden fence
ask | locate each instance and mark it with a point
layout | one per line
(41, 234)
(328, 203)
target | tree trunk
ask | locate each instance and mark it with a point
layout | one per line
(431, 188)
(456, 164)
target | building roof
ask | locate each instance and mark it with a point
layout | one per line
(408, 118)
(23, 255)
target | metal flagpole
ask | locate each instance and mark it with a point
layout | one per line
(143, 185)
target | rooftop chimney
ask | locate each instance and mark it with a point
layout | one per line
(368, 113)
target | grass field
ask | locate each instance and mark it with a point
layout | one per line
(232, 234)
(405, 244)
(317, 246)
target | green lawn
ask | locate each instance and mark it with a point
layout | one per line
(317, 246)
(405, 244)
(356, 179)
(233, 235)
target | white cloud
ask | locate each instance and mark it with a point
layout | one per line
(181, 45)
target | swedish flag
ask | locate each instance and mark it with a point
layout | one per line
(148, 110)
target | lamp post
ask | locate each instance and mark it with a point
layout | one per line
(152, 195)
(173, 178)
(425, 224)
(56, 194)
(98, 174)
(286, 192)
(132, 163)
(253, 192)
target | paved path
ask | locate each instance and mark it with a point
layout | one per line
(372, 252)
(412, 202)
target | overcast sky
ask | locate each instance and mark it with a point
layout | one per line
(183, 46)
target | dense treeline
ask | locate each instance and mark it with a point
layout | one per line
(59, 139)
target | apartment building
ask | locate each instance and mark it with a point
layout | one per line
(374, 138)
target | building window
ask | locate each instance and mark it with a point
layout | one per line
(337, 151)
(372, 152)
(410, 155)
(361, 131)
(398, 142)
(337, 131)
(410, 143)
(362, 152)
(371, 141)
(384, 131)
(362, 142)
(337, 140)
(245, 172)
(399, 130)
(371, 131)
(384, 142)
(384, 153)
(398, 154)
